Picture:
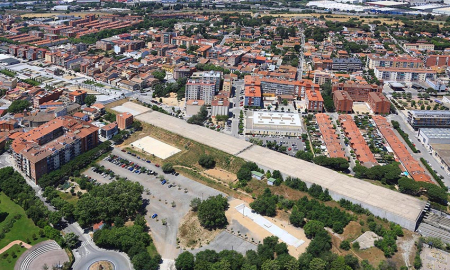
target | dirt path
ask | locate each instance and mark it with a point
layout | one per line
(407, 247)
(16, 242)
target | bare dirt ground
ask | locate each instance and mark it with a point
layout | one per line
(173, 101)
(433, 259)
(102, 265)
(246, 228)
(192, 235)
(222, 175)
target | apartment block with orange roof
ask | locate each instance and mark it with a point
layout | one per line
(314, 101)
(330, 138)
(343, 102)
(51, 145)
(124, 120)
(402, 154)
(379, 103)
(357, 142)
(358, 91)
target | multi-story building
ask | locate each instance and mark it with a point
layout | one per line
(322, 77)
(420, 46)
(220, 107)
(346, 64)
(314, 101)
(48, 147)
(124, 120)
(358, 91)
(436, 119)
(343, 102)
(404, 74)
(253, 96)
(209, 76)
(200, 90)
(395, 62)
(183, 72)
(108, 131)
(78, 96)
(438, 60)
(379, 103)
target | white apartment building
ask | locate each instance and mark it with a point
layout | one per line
(390, 74)
(200, 90)
(212, 76)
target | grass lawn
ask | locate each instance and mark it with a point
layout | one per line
(68, 197)
(151, 249)
(8, 262)
(23, 228)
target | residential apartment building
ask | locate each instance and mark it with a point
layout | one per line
(404, 74)
(253, 96)
(420, 46)
(108, 131)
(346, 64)
(200, 90)
(437, 60)
(322, 77)
(209, 76)
(343, 102)
(220, 107)
(48, 147)
(433, 119)
(314, 101)
(78, 96)
(124, 120)
(358, 91)
(379, 103)
(395, 62)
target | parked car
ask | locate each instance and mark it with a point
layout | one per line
(154, 216)
(163, 182)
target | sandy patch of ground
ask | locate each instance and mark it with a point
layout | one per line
(248, 228)
(367, 240)
(192, 235)
(221, 175)
(360, 107)
(155, 147)
(101, 265)
(173, 101)
(68, 77)
(434, 259)
(352, 231)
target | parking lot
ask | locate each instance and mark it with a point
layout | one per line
(293, 143)
(161, 198)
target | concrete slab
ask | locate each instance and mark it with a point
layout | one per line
(227, 241)
(155, 147)
(200, 134)
(283, 235)
(367, 240)
(133, 108)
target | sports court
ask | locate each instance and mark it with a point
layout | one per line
(133, 108)
(269, 226)
(155, 147)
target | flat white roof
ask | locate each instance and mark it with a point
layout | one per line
(276, 119)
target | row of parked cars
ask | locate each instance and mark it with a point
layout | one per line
(131, 166)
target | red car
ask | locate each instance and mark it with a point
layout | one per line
(157, 165)
(123, 150)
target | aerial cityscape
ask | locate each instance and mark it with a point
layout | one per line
(224, 135)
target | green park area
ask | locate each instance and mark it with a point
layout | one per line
(15, 225)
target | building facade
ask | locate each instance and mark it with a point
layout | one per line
(49, 146)
(200, 90)
(422, 119)
(343, 102)
(124, 120)
(379, 103)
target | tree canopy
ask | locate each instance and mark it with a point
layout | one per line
(18, 106)
(211, 212)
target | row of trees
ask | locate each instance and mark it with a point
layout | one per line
(200, 117)
(387, 174)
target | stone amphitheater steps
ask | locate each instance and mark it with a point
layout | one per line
(49, 246)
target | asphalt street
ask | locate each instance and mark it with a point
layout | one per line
(238, 87)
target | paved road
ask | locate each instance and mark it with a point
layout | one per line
(88, 252)
(238, 87)
(161, 198)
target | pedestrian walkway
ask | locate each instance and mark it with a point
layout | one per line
(16, 242)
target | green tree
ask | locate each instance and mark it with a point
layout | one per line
(345, 245)
(185, 261)
(19, 105)
(167, 168)
(317, 264)
(211, 212)
(265, 204)
(160, 75)
(90, 99)
(55, 217)
(312, 227)
(207, 161)
(70, 240)
(195, 203)
(297, 218)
